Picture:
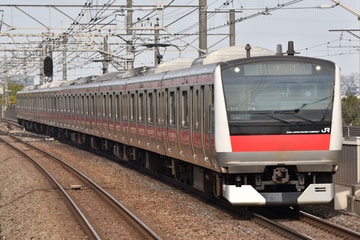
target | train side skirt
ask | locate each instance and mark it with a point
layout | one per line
(246, 195)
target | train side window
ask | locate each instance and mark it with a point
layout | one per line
(56, 107)
(117, 106)
(111, 103)
(78, 104)
(103, 106)
(197, 109)
(47, 98)
(62, 100)
(82, 110)
(150, 107)
(86, 105)
(172, 108)
(92, 105)
(132, 107)
(73, 104)
(184, 109)
(125, 107)
(70, 104)
(65, 103)
(51, 103)
(141, 107)
(160, 107)
(97, 106)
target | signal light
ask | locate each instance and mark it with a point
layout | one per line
(48, 66)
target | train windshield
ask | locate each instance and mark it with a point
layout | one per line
(278, 93)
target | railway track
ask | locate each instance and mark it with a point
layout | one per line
(337, 230)
(305, 226)
(99, 214)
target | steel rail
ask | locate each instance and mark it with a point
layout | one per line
(331, 227)
(279, 228)
(78, 214)
(136, 223)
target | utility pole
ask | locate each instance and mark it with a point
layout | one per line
(64, 56)
(129, 44)
(202, 27)
(157, 59)
(105, 62)
(232, 27)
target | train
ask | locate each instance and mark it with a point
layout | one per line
(245, 124)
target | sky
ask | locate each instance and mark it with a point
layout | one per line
(318, 28)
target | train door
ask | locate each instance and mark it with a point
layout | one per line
(208, 136)
(87, 112)
(133, 117)
(111, 115)
(73, 109)
(125, 117)
(98, 113)
(118, 115)
(164, 120)
(67, 110)
(198, 123)
(81, 111)
(60, 112)
(92, 112)
(185, 107)
(141, 113)
(104, 114)
(151, 117)
(173, 126)
(161, 139)
(63, 110)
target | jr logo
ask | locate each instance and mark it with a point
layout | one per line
(325, 130)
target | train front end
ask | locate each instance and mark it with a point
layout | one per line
(278, 129)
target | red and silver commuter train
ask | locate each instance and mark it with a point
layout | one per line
(262, 130)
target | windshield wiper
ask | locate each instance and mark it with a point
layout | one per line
(294, 112)
(310, 103)
(271, 114)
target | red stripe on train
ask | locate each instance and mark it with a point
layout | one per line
(294, 142)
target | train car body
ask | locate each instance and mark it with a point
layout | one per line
(263, 130)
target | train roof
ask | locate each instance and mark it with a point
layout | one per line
(172, 69)
(222, 55)
(118, 79)
(175, 64)
(232, 53)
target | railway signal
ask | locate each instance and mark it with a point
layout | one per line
(48, 66)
